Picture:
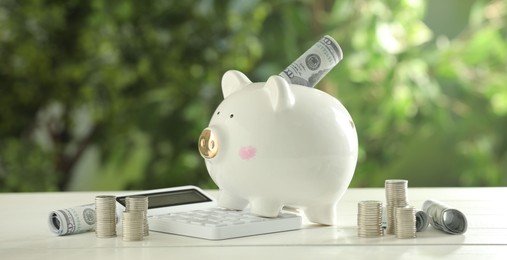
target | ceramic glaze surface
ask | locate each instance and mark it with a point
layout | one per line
(272, 144)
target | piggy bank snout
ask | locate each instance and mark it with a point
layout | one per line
(208, 144)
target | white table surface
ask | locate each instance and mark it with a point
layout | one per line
(24, 233)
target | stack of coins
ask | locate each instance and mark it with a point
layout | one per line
(139, 203)
(369, 219)
(133, 225)
(105, 210)
(396, 196)
(405, 222)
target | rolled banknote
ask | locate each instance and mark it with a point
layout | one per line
(421, 221)
(445, 218)
(73, 220)
(314, 64)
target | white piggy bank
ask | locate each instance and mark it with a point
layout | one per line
(273, 144)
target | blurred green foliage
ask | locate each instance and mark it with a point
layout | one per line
(112, 95)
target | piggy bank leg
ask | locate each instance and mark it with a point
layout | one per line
(265, 208)
(324, 214)
(230, 201)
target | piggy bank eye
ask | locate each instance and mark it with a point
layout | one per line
(231, 116)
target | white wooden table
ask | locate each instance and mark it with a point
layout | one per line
(24, 233)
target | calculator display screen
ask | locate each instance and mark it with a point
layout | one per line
(170, 198)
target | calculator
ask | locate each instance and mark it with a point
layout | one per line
(189, 211)
(219, 223)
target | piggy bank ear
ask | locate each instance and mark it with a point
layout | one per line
(280, 93)
(233, 81)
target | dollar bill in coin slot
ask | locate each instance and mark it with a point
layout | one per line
(314, 64)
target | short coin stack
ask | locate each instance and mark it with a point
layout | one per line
(139, 203)
(369, 217)
(405, 222)
(396, 196)
(133, 225)
(135, 222)
(105, 210)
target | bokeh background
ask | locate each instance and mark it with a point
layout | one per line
(112, 95)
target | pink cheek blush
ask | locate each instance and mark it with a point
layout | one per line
(247, 152)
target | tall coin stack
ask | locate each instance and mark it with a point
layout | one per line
(139, 203)
(369, 218)
(105, 210)
(405, 222)
(133, 225)
(396, 196)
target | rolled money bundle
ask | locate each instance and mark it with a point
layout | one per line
(445, 218)
(421, 221)
(384, 217)
(72, 220)
(314, 64)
